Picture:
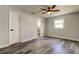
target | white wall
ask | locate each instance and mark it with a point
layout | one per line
(42, 27)
(4, 26)
(28, 25)
(71, 27)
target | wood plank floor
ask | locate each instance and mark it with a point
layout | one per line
(43, 45)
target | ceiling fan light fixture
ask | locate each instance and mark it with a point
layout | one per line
(50, 10)
(48, 13)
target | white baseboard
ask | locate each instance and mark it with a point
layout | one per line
(74, 39)
(4, 45)
(27, 39)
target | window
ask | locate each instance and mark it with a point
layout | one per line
(59, 23)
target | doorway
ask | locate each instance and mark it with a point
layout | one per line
(14, 27)
(38, 27)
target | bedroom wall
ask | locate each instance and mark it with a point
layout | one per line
(28, 25)
(42, 27)
(70, 30)
(4, 26)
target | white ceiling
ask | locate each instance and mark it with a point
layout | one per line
(64, 9)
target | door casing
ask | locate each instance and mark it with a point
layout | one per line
(14, 27)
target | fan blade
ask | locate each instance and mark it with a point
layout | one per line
(43, 9)
(53, 6)
(44, 12)
(55, 10)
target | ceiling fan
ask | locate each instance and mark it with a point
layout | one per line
(49, 10)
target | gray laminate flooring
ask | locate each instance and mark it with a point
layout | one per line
(43, 45)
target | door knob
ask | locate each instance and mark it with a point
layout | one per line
(11, 30)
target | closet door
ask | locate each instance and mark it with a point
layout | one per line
(14, 27)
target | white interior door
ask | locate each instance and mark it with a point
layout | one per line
(14, 27)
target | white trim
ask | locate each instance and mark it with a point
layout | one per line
(4, 45)
(17, 38)
(27, 39)
(74, 39)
